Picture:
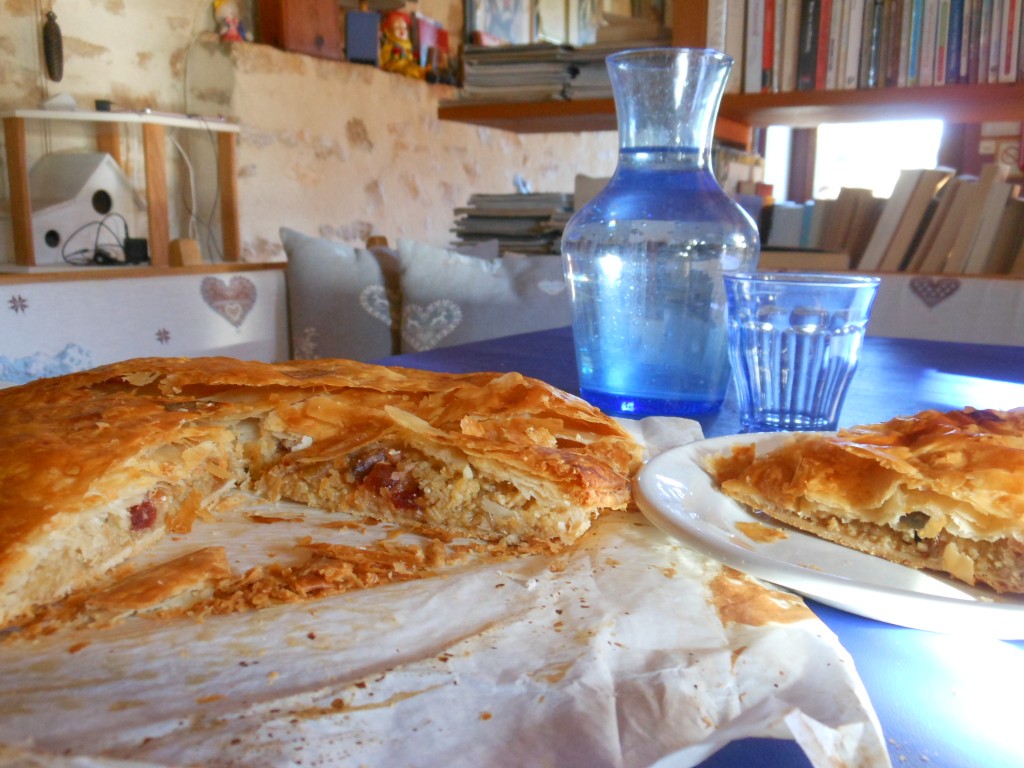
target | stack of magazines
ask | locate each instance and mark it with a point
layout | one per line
(528, 223)
(533, 72)
(540, 71)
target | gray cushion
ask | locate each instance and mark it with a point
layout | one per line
(449, 298)
(337, 300)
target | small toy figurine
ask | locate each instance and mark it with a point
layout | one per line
(396, 48)
(229, 20)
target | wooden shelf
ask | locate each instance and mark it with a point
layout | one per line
(995, 102)
(986, 103)
(563, 117)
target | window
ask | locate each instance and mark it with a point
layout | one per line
(866, 155)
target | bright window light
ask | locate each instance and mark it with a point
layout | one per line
(871, 155)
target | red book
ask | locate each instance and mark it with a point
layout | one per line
(824, 33)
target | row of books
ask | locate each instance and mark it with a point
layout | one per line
(938, 222)
(843, 224)
(934, 222)
(788, 45)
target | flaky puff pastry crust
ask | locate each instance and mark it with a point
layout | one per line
(95, 466)
(943, 491)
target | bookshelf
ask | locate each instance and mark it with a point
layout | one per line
(740, 112)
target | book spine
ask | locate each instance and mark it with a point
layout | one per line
(929, 28)
(906, 17)
(768, 47)
(807, 55)
(891, 43)
(851, 67)
(956, 31)
(979, 38)
(824, 36)
(1010, 41)
(1020, 76)
(871, 58)
(835, 44)
(994, 47)
(942, 43)
(984, 41)
(967, 47)
(790, 45)
(735, 23)
(754, 51)
(916, 30)
(777, 42)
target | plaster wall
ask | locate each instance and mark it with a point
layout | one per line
(328, 148)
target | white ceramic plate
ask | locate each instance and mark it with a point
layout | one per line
(678, 496)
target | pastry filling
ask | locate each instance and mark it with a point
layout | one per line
(379, 472)
(143, 515)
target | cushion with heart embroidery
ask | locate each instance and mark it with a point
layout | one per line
(449, 298)
(337, 295)
(426, 327)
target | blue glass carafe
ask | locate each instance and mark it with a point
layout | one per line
(644, 258)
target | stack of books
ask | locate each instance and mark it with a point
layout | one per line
(788, 45)
(590, 78)
(529, 223)
(528, 72)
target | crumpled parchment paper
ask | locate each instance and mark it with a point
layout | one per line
(628, 650)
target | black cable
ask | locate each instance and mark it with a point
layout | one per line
(75, 258)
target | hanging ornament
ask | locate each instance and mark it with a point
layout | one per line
(53, 47)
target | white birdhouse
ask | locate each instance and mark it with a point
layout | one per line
(83, 206)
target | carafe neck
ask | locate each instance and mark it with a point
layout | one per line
(666, 99)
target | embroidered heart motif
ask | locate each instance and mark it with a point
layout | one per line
(232, 300)
(374, 300)
(426, 327)
(552, 287)
(933, 290)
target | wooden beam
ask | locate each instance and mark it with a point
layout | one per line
(21, 199)
(227, 180)
(155, 152)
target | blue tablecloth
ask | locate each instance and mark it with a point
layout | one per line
(943, 700)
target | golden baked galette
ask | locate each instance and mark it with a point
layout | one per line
(96, 466)
(939, 491)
